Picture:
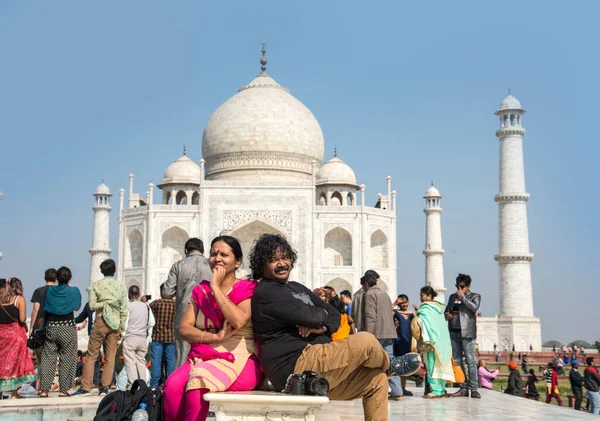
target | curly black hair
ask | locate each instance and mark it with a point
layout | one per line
(463, 278)
(265, 248)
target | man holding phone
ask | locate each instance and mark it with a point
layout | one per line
(461, 313)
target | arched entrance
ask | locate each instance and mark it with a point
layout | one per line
(338, 248)
(339, 284)
(247, 235)
(173, 246)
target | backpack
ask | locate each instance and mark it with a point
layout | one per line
(120, 405)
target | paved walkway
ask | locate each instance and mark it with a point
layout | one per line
(494, 406)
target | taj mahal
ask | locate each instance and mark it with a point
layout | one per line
(263, 170)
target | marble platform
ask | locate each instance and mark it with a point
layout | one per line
(493, 406)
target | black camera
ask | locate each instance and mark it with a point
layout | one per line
(308, 383)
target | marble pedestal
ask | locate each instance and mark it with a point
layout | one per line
(260, 406)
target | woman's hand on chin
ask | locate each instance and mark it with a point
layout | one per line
(226, 332)
(218, 277)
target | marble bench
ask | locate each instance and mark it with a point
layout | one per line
(261, 405)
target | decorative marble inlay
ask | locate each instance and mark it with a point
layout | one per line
(280, 219)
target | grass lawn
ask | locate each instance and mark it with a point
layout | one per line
(564, 386)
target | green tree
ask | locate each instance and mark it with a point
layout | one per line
(580, 343)
(597, 345)
(550, 344)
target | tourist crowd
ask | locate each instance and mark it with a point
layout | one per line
(211, 331)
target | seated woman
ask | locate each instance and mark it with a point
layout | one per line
(486, 377)
(223, 353)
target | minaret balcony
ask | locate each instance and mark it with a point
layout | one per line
(102, 207)
(433, 252)
(512, 197)
(100, 251)
(510, 258)
(433, 210)
(510, 131)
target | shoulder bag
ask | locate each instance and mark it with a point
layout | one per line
(38, 336)
(459, 375)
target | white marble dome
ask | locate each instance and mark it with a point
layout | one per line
(262, 133)
(102, 190)
(336, 171)
(510, 103)
(432, 192)
(182, 171)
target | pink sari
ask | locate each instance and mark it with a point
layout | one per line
(217, 366)
(232, 365)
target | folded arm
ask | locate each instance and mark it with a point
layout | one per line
(284, 307)
(471, 303)
(191, 334)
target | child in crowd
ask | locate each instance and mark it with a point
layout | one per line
(552, 384)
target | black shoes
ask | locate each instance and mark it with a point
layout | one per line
(475, 394)
(463, 393)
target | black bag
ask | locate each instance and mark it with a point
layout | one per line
(37, 337)
(120, 405)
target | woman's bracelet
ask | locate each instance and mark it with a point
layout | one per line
(202, 336)
(223, 303)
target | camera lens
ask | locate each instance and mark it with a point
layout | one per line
(317, 386)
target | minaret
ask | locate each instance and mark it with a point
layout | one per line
(514, 258)
(513, 237)
(100, 250)
(434, 253)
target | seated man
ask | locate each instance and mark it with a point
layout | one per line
(294, 329)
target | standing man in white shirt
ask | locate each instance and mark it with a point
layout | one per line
(135, 341)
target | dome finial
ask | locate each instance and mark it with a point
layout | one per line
(184, 150)
(335, 151)
(102, 180)
(263, 59)
(431, 183)
(509, 90)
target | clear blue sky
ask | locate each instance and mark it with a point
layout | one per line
(101, 89)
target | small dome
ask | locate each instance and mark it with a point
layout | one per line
(336, 171)
(432, 192)
(103, 190)
(182, 171)
(510, 103)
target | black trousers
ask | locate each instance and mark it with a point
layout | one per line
(578, 393)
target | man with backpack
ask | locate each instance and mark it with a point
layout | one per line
(135, 341)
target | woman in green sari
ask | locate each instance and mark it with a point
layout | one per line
(436, 339)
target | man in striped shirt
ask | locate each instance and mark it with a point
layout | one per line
(163, 337)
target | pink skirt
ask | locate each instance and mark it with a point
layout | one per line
(16, 367)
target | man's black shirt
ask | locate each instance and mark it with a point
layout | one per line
(277, 311)
(39, 296)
